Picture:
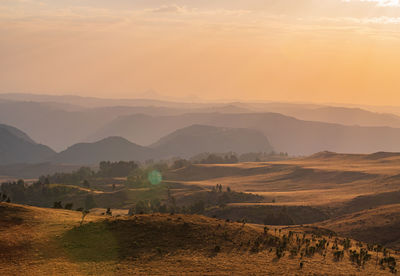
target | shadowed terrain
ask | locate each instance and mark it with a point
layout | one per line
(167, 244)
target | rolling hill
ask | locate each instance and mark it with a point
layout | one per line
(164, 244)
(109, 149)
(181, 143)
(196, 139)
(17, 147)
(379, 225)
(287, 134)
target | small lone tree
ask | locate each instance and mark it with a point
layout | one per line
(84, 214)
(57, 205)
(108, 212)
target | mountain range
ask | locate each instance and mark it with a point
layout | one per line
(299, 129)
(17, 147)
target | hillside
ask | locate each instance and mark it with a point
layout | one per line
(61, 125)
(196, 139)
(17, 147)
(284, 133)
(109, 149)
(163, 244)
(378, 225)
(364, 181)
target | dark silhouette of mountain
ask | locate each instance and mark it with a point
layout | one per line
(196, 139)
(17, 147)
(109, 149)
(285, 133)
(60, 125)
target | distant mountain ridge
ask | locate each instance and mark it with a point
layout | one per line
(287, 134)
(18, 147)
(108, 149)
(195, 139)
(183, 143)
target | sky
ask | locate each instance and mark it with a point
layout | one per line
(342, 51)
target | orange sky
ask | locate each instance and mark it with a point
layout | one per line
(291, 50)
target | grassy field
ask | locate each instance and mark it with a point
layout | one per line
(325, 178)
(38, 241)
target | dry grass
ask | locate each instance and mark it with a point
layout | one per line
(325, 178)
(379, 225)
(37, 241)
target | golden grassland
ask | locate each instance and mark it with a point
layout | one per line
(38, 241)
(325, 178)
(379, 225)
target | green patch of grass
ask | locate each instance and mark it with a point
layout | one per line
(90, 242)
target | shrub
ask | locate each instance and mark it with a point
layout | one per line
(108, 212)
(57, 205)
(68, 206)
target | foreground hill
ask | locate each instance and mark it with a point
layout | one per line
(165, 244)
(378, 225)
(110, 149)
(17, 147)
(197, 139)
(285, 133)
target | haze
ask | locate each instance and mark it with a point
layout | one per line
(307, 50)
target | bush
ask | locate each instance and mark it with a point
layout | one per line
(57, 205)
(68, 206)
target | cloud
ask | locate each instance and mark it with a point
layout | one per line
(169, 9)
(380, 3)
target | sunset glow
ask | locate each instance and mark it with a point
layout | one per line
(305, 50)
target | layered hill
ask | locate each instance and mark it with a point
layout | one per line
(17, 147)
(285, 133)
(346, 116)
(109, 149)
(196, 139)
(181, 143)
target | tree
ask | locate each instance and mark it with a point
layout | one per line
(57, 205)
(90, 202)
(84, 214)
(86, 183)
(141, 207)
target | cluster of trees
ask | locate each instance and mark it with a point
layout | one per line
(155, 206)
(116, 169)
(228, 158)
(38, 193)
(83, 175)
(137, 175)
(74, 178)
